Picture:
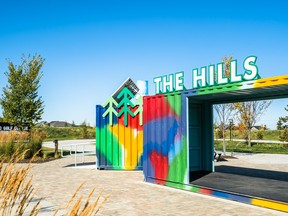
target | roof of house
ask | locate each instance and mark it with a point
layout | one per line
(59, 124)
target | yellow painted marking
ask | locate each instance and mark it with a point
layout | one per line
(270, 204)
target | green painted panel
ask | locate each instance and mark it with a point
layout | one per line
(178, 167)
(174, 101)
(106, 144)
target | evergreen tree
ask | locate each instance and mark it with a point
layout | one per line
(20, 100)
(280, 124)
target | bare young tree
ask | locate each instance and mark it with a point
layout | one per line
(224, 112)
(249, 113)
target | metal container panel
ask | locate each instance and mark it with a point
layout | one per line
(165, 147)
(117, 146)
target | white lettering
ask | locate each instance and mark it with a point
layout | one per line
(179, 81)
(157, 82)
(211, 75)
(167, 83)
(251, 70)
(220, 78)
(233, 70)
(199, 77)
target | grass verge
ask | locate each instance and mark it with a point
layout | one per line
(233, 146)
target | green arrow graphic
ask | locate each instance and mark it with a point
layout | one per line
(124, 94)
(111, 103)
(139, 110)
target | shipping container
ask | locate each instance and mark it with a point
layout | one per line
(170, 156)
(118, 146)
(178, 136)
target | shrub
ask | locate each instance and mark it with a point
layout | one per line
(284, 136)
(259, 135)
(218, 134)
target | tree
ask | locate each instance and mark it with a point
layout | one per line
(84, 130)
(73, 124)
(20, 100)
(284, 125)
(249, 113)
(284, 136)
(283, 121)
(280, 124)
(224, 111)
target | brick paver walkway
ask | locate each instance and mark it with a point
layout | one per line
(130, 195)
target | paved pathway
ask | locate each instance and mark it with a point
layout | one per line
(130, 195)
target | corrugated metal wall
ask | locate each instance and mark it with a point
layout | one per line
(165, 148)
(169, 127)
(118, 146)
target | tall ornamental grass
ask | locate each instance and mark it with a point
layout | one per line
(28, 142)
(17, 194)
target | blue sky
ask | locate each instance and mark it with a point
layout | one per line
(91, 47)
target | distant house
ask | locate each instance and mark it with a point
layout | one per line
(227, 127)
(42, 123)
(258, 127)
(59, 124)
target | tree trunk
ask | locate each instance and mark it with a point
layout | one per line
(249, 138)
(224, 142)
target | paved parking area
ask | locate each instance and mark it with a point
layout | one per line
(130, 195)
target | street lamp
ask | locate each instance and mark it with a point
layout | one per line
(230, 124)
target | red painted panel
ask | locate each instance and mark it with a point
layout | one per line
(160, 166)
(133, 122)
(161, 108)
(205, 191)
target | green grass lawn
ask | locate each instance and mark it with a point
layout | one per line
(267, 134)
(233, 146)
(67, 133)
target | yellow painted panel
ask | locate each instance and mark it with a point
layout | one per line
(132, 143)
(127, 146)
(270, 204)
(271, 81)
(116, 151)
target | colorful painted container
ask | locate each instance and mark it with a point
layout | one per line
(178, 133)
(169, 154)
(118, 147)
